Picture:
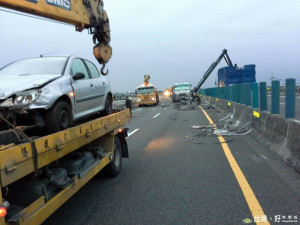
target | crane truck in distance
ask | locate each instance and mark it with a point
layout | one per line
(147, 94)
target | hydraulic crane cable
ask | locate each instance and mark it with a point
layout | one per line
(35, 17)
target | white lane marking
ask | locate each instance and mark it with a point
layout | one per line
(139, 109)
(264, 157)
(133, 132)
(156, 115)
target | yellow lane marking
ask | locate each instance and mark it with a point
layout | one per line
(249, 195)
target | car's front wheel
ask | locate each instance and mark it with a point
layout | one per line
(59, 117)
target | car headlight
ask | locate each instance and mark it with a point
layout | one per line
(22, 98)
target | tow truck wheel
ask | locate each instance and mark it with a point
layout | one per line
(59, 117)
(114, 167)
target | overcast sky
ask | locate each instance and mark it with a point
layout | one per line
(173, 41)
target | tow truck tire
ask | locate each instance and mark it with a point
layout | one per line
(114, 167)
(108, 106)
(59, 117)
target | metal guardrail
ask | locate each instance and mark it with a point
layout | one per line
(255, 95)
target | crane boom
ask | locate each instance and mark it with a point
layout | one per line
(146, 80)
(211, 68)
(84, 14)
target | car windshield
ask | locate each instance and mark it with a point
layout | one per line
(178, 87)
(35, 66)
(182, 88)
(145, 90)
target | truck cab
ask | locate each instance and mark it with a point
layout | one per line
(181, 91)
(147, 95)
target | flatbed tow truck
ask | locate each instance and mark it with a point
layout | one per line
(104, 138)
(39, 174)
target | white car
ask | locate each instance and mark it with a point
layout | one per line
(52, 92)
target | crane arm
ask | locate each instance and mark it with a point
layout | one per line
(84, 14)
(211, 68)
(146, 80)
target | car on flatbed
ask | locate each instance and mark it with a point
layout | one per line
(52, 92)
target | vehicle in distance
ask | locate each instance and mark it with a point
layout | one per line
(147, 95)
(52, 92)
(182, 91)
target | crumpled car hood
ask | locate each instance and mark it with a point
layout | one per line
(10, 85)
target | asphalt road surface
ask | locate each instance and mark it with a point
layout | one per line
(177, 174)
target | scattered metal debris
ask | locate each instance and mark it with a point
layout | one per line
(210, 107)
(209, 131)
(226, 117)
(204, 137)
(187, 107)
(203, 126)
(226, 131)
(165, 105)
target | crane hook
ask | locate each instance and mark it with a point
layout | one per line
(102, 72)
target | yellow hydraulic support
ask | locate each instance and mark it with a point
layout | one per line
(72, 12)
(81, 13)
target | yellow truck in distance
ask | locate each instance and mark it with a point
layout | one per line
(147, 93)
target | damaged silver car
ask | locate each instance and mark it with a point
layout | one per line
(52, 92)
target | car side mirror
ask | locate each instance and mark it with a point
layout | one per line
(78, 76)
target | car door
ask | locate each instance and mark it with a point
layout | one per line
(83, 88)
(99, 84)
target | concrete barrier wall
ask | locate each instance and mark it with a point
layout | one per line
(274, 131)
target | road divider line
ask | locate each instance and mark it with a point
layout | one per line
(248, 193)
(139, 109)
(156, 115)
(131, 133)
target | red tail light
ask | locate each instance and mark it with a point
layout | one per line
(124, 130)
(3, 211)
